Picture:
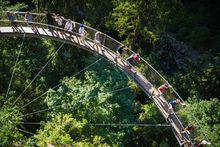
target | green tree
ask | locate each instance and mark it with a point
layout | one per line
(5, 5)
(94, 12)
(58, 135)
(207, 115)
(151, 135)
(62, 134)
(92, 98)
(9, 120)
(139, 22)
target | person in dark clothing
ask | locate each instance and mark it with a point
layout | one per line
(12, 19)
(49, 19)
(29, 18)
(121, 49)
(189, 128)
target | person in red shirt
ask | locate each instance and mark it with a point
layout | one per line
(164, 87)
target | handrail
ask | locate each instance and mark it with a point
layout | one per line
(21, 12)
(55, 27)
(42, 14)
(42, 24)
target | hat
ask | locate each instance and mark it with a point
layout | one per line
(136, 57)
(81, 25)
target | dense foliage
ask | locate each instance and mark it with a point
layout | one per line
(10, 118)
(180, 38)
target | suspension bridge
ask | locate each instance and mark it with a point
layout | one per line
(148, 82)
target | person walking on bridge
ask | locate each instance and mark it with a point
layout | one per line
(29, 18)
(97, 39)
(69, 27)
(189, 129)
(163, 88)
(82, 33)
(49, 19)
(11, 18)
(133, 59)
(203, 143)
(121, 49)
(172, 105)
(60, 21)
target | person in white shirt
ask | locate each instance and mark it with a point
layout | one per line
(69, 26)
(82, 33)
(60, 20)
(97, 39)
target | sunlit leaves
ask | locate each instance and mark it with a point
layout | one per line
(9, 120)
(207, 114)
(57, 132)
(94, 99)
